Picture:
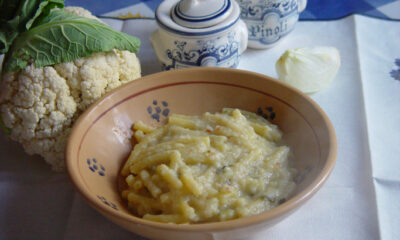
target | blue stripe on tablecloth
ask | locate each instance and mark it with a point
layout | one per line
(332, 9)
(376, 13)
(152, 4)
(378, 3)
(101, 7)
(316, 9)
(307, 15)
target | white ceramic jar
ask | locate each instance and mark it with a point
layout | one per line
(194, 33)
(268, 21)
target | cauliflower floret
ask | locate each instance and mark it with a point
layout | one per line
(40, 105)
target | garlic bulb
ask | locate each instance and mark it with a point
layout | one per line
(308, 69)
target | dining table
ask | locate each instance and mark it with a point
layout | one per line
(361, 198)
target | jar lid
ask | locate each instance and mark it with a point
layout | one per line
(201, 13)
(197, 17)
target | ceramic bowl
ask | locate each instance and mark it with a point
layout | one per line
(100, 143)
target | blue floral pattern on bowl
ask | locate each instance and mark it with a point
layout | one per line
(213, 52)
(158, 111)
(94, 166)
(301, 174)
(110, 204)
(266, 112)
(396, 72)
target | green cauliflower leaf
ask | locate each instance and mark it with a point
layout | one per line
(63, 37)
(17, 16)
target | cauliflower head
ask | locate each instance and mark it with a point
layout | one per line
(40, 105)
(81, 12)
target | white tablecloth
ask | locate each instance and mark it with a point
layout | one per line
(361, 199)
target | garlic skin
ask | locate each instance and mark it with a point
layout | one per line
(308, 69)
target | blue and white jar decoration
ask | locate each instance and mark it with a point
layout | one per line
(268, 21)
(195, 33)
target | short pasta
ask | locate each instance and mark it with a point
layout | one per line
(207, 168)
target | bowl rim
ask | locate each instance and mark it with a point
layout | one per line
(286, 207)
